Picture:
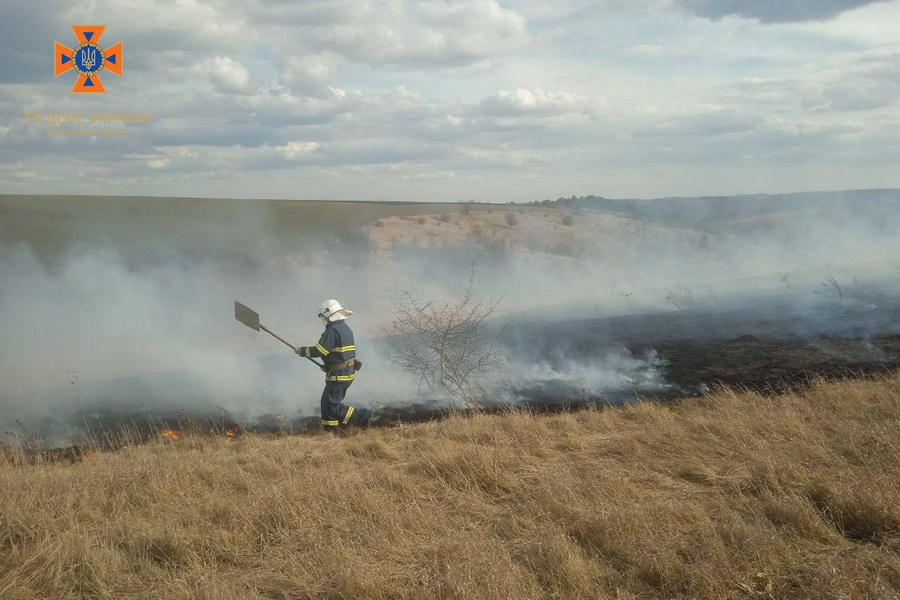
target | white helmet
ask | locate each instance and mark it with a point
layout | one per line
(331, 310)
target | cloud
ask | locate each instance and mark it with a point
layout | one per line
(702, 121)
(662, 51)
(297, 149)
(310, 74)
(385, 33)
(522, 101)
(282, 107)
(166, 39)
(308, 13)
(27, 39)
(344, 90)
(183, 25)
(226, 74)
(774, 11)
(869, 83)
(868, 80)
(425, 34)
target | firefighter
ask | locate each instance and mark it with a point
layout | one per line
(338, 352)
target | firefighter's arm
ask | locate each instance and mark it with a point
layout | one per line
(322, 349)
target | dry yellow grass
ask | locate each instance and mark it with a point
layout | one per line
(729, 496)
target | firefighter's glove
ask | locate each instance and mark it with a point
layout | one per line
(324, 368)
(301, 351)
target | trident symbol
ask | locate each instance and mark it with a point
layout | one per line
(89, 58)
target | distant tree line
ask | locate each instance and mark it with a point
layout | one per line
(710, 211)
(572, 202)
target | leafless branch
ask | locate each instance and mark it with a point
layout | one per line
(447, 344)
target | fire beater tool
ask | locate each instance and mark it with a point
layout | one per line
(250, 318)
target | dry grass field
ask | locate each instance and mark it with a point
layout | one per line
(732, 495)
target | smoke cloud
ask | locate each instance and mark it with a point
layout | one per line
(95, 328)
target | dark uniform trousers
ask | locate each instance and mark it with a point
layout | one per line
(336, 347)
(335, 413)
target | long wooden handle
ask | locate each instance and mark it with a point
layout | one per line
(287, 343)
(277, 337)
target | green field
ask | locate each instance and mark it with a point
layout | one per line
(51, 224)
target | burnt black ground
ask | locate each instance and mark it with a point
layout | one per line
(766, 345)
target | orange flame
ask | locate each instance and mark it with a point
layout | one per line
(229, 432)
(169, 434)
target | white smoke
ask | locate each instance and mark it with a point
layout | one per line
(615, 375)
(154, 330)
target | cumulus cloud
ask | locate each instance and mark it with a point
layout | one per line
(346, 94)
(297, 149)
(226, 74)
(426, 33)
(850, 82)
(182, 26)
(537, 102)
(865, 83)
(311, 74)
(774, 11)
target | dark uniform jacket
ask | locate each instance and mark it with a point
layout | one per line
(335, 347)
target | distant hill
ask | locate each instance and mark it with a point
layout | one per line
(710, 212)
(141, 227)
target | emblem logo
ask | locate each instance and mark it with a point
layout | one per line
(88, 59)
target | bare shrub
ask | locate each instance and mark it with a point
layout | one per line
(443, 217)
(568, 219)
(831, 289)
(511, 219)
(682, 297)
(446, 344)
(420, 220)
(629, 298)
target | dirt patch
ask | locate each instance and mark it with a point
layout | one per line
(536, 230)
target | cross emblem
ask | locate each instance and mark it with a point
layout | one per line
(87, 59)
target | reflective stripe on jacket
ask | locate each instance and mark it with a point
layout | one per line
(335, 346)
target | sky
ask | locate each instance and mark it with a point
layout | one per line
(446, 100)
